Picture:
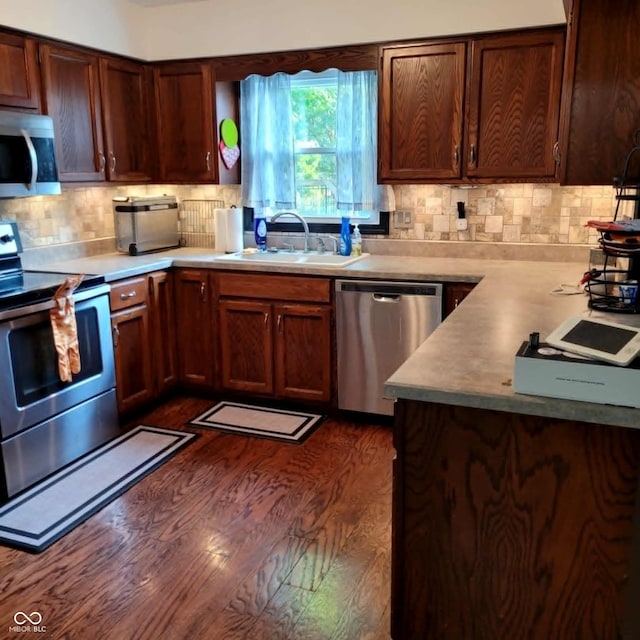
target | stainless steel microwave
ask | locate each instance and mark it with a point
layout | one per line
(27, 155)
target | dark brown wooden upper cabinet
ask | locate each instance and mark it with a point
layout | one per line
(186, 116)
(514, 105)
(127, 100)
(421, 107)
(494, 116)
(72, 99)
(601, 102)
(19, 79)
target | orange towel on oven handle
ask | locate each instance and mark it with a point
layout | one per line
(65, 330)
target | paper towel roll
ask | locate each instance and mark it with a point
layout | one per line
(220, 229)
(234, 240)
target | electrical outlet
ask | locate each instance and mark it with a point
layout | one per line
(461, 224)
(404, 219)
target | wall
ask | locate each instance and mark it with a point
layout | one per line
(213, 28)
(110, 25)
(80, 221)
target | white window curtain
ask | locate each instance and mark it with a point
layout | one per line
(268, 173)
(268, 176)
(356, 141)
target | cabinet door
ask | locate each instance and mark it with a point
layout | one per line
(126, 90)
(246, 337)
(514, 105)
(194, 326)
(455, 293)
(19, 81)
(421, 112)
(303, 351)
(72, 99)
(134, 383)
(163, 331)
(601, 109)
(184, 103)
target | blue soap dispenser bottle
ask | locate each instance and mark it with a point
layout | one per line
(345, 237)
(260, 232)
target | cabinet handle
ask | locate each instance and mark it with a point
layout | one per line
(112, 162)
(103, 161)
(208, 160)
(472, 155)
(456, 156)
(266, 318)
(203, 290)
(126, 296)
(116, 334)
(279, 324)
(456, 302)
(556, 152)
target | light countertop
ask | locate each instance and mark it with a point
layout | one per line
(469, 359)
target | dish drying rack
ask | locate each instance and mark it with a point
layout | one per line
(619, 239)
(197, 222)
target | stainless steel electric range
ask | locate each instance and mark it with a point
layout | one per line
(46, 423)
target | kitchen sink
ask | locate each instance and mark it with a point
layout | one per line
(312, 258)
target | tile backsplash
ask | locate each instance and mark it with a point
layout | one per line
(510, 213)
(517, 213)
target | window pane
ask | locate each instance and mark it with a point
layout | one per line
(315, 184)
(314, 116)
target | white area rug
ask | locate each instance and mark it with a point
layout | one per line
(264, 422)
(43, 514)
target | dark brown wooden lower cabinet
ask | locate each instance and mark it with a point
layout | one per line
(144, 338)
(195, 326)
(509, 527)
(276, 335)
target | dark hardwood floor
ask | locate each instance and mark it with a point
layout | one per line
(234, 537)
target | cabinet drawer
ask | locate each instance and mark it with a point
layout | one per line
(272, 287)
(128, 293)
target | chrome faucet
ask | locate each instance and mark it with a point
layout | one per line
(321, 245)
(304, 225)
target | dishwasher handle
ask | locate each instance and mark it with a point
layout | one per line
(385, 297)
(389, 288)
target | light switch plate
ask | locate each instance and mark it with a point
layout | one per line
(403, 219)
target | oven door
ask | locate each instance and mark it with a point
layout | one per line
(30, 387)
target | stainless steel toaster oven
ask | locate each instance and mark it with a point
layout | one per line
(145, 224)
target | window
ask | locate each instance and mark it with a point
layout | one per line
(314, 100)
(309, 145)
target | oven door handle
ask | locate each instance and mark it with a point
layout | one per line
(79, 296)
(34, 160)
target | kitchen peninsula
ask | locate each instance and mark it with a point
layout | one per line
(513, 514)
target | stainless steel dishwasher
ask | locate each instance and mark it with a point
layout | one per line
(378, 326)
